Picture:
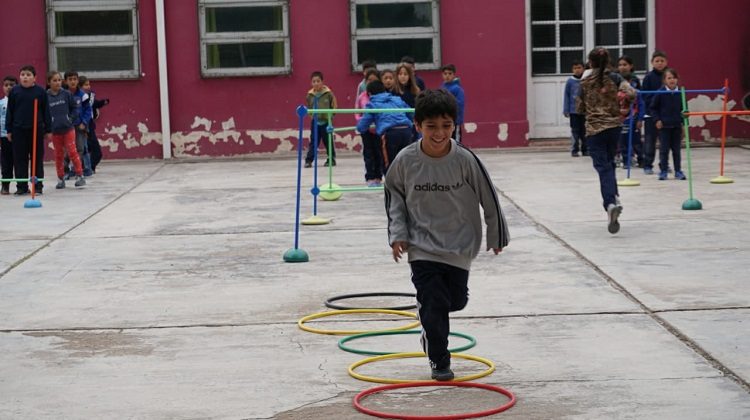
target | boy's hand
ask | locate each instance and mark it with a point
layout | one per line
(497, 250)
(566, 115)
(10, 137)
(399, 247)
(638, 125)
(659, 125)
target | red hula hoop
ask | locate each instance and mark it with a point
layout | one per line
(385, 415)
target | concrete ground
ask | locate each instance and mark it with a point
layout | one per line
(159, 292)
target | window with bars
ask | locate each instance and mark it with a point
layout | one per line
(244, 37)
(94, 37)
(386, 30)
(559, 31)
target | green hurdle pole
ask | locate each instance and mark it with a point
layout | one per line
(691, 203)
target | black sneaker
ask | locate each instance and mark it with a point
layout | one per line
(445, 374)
(5, 191)
(21, 192)
(333, 162)
(308, 164)
(80, 181)
(60, 184)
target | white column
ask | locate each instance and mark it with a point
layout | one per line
(161, 47)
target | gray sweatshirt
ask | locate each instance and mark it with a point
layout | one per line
(63, 110)
(433, 205)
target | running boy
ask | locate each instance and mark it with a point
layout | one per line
(6, 148)
(452, 84)
(432, 196)
(577, 121)
(19, 123)
(320, 97)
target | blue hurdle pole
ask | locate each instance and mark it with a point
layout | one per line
(296, 254)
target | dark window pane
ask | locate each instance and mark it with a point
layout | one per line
(566, 60)
(394, 15)
(104, 22)
(571, 35)
(85, 59)
(606, 34)
(571, 10)
(542, 36)
(255, 54)
(605, 9)
(543, 62)
(244, 19)
(639, 56)
(542, 10)
(634, 33)
(391, 50)
(633, 8)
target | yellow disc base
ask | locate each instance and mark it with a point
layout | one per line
(333, 192)
(316, 220)
(722, 180)
(628, 182)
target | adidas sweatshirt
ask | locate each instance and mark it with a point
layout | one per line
(433, 205)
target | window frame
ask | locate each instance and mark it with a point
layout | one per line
(54, 42)
(243, 37)
(432, 32)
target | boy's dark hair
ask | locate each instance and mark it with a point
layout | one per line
(576, 62)
(408, 59)
(625, 58)
(51, 74)
(369, 64)
(658, 53)
(435, 103)
(82, 80)
(672, 71)
(375, 87)
(449, 67)
(317, 73)
(370, 72)
(10, 79)
(29, 68)
(71, 73)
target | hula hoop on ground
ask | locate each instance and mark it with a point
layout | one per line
(472, 342)
(358, 398)
(489, 370)
(301, 322)
(329, 303)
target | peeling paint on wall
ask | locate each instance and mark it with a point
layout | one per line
(502, 131)
(470, 127)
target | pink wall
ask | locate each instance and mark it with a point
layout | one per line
(707, 44)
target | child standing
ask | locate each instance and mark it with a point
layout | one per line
(393, 129)
(652, 81)
(92, 142)
(320, 97)
(577, 121)
(19, 123)
(598, 102)
(625, 68)
(388, 77)
(452, 84)
(407, 84)
(371, 150)
(63, 111)
(409, 61)
(666, 110)
(367, 65)
(432, 196)
(81, 123)
(6, 148)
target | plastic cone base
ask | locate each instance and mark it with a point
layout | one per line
(629, 182)
(296, 255)
(721, 179)
(692, 204)
(32, 204)
(316, 220)
(330, 195)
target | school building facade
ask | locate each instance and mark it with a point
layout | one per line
(223, 77)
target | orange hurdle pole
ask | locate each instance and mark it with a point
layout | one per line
(704, 113)
(33, 203)
(721, 179)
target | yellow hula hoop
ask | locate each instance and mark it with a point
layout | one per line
(301, 322)
(489, 370)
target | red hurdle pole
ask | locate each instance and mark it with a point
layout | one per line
(724, 126)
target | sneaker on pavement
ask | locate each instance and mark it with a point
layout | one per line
(662, 175)
(445, 374)
(648, 171)
(679, 175)
(5, 191)
(21, 192)
(308, 164)
(80, 181)
(60, 184)
(613, 213)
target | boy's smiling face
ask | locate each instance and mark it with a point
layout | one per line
(436, 135)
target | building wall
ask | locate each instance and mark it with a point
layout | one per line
(244, 115)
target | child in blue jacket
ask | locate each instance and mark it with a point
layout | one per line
(452, 84)
(577, 121)
(666, 110)
(394, 129)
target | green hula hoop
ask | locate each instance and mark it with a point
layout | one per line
(472, 342)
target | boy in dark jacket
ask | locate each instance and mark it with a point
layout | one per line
(452, 84)
(19, 123)
(394, 129)
(666, 110)
(577, 121)
(320, 97)
(652, 81)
